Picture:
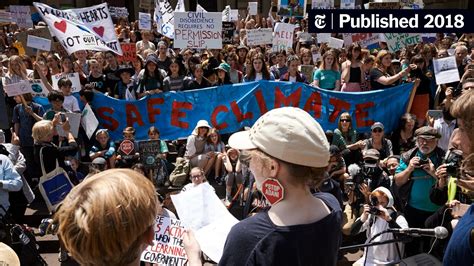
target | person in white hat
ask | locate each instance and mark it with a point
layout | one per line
(286, 149)
(196, 143)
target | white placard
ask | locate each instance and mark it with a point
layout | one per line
(38, 43)
(144, 21)
(305, 37)
(74, 122)
(253, 8)
(198, 30)
(445, 70)
(164, 17)
(316, 57)
(73, 77)
(347, 4)
(234, 15)
(283, 37)
(259, 36)
(21, 15)
(322, 4)
(19, 88)
(323, 37)
(398, 41)
(89, 121)
(5, 16)
(335, 43)
(38, 88)
(76, 29)
(207, 216)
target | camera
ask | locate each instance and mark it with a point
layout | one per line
(422, 162)
(453, 161)
(456, 91)
(374, 202)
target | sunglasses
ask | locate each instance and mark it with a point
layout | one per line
(377, 130)
(346, 120)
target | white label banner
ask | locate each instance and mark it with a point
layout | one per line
(259, 37)
(38, 43)
(202, 30)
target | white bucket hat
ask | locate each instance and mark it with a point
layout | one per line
(289, 134)
(201, 123)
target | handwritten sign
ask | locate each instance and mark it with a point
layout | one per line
(74, 120)
(398, 41)
(283, 37)
(164, 17)
(322, 4)
(234, 15)
(129, 53)
(144, 21)
(167, 248)
(198, 30)
(73, 77)
(323, 37)
(149, 149)
(228, 29)
(118, 12)
(445, 70)
(89, 121)
(38, 88)
(39, 43)
(335, 43)
(347, 4)
(5, 17)
(39, 32)
(253, 8)
(19, 88)
(384, 5)
(21, 15)
(364, 39)
(259, 36)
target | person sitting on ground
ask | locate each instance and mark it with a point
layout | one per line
(195, 145)
(234, 173)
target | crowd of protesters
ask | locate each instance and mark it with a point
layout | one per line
(406, 175)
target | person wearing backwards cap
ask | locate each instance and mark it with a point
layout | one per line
(414, 178)
(286, 149)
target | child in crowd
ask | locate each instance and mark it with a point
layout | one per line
(56, 99)
(234, 174)
(127, 154)
(159, 175)
(126, 88)
(104, 149)
(96, 78)
(70, 102)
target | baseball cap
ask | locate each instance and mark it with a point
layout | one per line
(427, 132)
(372, 154)
(289, 134)
(377, 125)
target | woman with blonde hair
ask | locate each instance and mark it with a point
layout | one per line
(382, 76)
(328, 76)
(109, 218)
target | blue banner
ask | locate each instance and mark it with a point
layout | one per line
(231, 107)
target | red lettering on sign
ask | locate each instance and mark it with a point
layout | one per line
(176, 114)
(262, 105)
(313, 104)
(152, 112)
(238, 113)
(217, 110)
(102, 113)
(133, 115)
(361, 114)
(292, 100)
(339, 105)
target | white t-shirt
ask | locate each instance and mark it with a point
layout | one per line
(258, 76)
(71, 104)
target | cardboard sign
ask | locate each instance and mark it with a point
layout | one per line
(73, 77)
(21, 15)
(167, 248)
(39, 32)
(259, 36)
(308, 71)
(38, 43)
(89, 28)
(38, 88)
(335, 43)
(234, 15)
(253, 8)
(384, 5)
(129, 53)
(144, 21)
(283, 37)
(74, 120)
(126, 148)
(118, 12)
(398, 41)
(322, 4)
(19, 88)
(445, 70)
(291, 8)
(149, 150)
(323, 37)
(228, 30)
(198, 30)
(347, 4)
(89, 121)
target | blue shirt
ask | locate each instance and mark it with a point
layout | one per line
(10, 180)
(422, 183)
(459, 250)
(327, 78)
(26, 122)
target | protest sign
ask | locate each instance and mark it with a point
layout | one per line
(198, 30)
(199, 8)
(259, 36)
(118, 12)
(5, 17)
(322, 4)
(21, 15)
(228, 30)
(398, 41)
(74, 121)
(89, 28)
(211, 230)
(19, 88)
(39, 32)
(164, 18)
(129, 53)
(283, 37)
(126, 149)
(149, 150)
(323, 37)
(167, 248)
(88, 121)
(288, 8)
(316, 57)
(145, 4)
(308, 71)
(231, 107)
(144, 21)
(38, 88)
(73, 77)
(364, 39)
(39, 43)
(226, 14)
(335, 43)
(234, 14)
(384, 5)
(428, 37)
(347, 4)
(445, 70)
(253, 8)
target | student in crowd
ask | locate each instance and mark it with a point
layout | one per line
(381, 76)
(292, 74)
(70, 102)
(215, 149)
(403, 138)
(328, 76)
(175, 79)
(152, 80)
(196, 143)
(223, 77)
(378, 141)
(159, 175)
(197, 79)
(126, 88)
(105, 148)
(233, 167)
(96, 78)
(281, 67)
(197, 177)
(258, 70)
(351, 69)
(345, 137)
(236, 75)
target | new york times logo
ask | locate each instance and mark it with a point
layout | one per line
(391, 21)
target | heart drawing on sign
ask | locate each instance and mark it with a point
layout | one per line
(99, 30)
(60, 26)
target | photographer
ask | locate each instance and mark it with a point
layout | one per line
(379, 216)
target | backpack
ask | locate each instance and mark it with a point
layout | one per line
(179, 176)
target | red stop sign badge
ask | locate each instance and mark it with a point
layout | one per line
(273, 190)
(127, 146)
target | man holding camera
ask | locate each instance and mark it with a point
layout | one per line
(414, 178)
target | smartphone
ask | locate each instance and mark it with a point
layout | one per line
(460, 209)
(63, 117)
(435, 113)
